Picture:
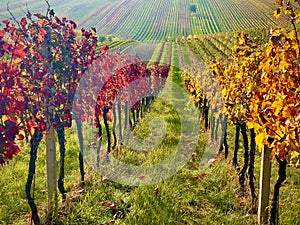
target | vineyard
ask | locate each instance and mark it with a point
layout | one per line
(164, 18)
(188, 114)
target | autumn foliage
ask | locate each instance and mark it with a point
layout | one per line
(260, 85)
(43, 59)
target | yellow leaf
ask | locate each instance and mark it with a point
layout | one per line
(276, 32)
(254, 125)
(17, 60)
(224, 91)
(277, 105)
(295, 154)
(290, 34)
(277, 13)
(260, 140)
(250, 125)
(238, 75)
(93, 31)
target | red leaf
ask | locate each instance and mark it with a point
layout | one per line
(201, 176)
(12, 132)
(112, 206)
(8, 155)
(20, 98)
(11, 149)
(58, 21)
(41, 35)
(104, 49)
(43, 125)
(73, 24)
(141, 177)
(23, 22)
(43, 31)
(196, 178)
(2, 33)
(6, 22)
(55, 26)
(6, 46)
(17, 150)
(39, 56)
(21, 137)
(19, 51)
(31, 123)
(20, 105)
(105, 203)
(40, 16)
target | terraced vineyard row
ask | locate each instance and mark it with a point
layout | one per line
(189, 50)
(219, 45)
(79, 11)
(164, 18)
(117, 45)
(235, 15)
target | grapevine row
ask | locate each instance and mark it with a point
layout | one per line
(40, 74)
(259, 89)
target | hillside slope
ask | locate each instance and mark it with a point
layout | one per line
(154, 20)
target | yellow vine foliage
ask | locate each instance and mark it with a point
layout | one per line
(275, 107)
(203, 86)
(262, 87)
(236, 77)
(193, 87)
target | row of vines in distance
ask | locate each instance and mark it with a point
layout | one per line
(164, 19)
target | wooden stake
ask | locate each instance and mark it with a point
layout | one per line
(264, 186)
(51, 171)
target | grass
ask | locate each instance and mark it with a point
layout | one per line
(188, 197)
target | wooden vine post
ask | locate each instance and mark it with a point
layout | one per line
(51, 171)
(264, 186)
(50, 138)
